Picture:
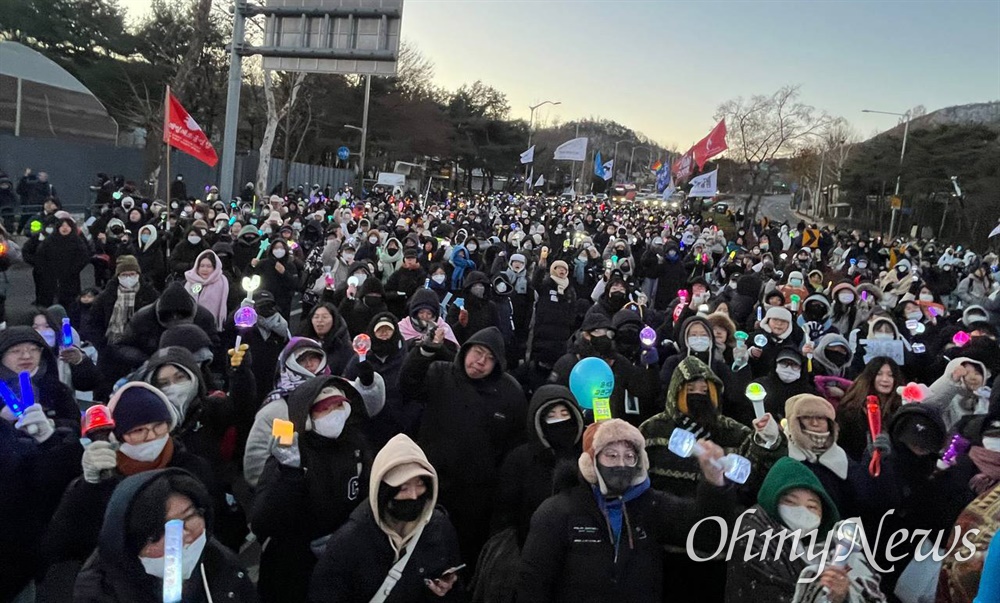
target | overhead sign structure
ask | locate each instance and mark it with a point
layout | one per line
(331, 36)
(317, 36)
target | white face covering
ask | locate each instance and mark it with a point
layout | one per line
(279, 253)
(845, 298)
(189, 559)
(438, 278)
(194, 239)
(798, 518)
(788, 374)
(332, 425)
(914, 315)
(146, 452)
(49, 336)
(992, 444)
(128, 281)
(180, 395)
(926, 297)
(699, 343)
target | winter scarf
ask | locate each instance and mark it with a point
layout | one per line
(561, 283)
(129, 466)
(211, 292)
(121, 313)
(460, 260)
(615, 513)
(988, 463)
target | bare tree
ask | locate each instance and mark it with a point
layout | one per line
(274, 115)
(764, 128)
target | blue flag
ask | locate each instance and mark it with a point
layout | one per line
(598, 165)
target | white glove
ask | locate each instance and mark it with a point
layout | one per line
(288, 456)
(769, 434)
(97, 458)
(34, 422)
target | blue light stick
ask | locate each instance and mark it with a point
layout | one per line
(67, 333)
(173, 551)
(27, 392)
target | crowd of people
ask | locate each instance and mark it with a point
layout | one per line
(423, 352)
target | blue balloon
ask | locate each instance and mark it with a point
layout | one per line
(591, 378)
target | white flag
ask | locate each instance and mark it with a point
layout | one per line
(572, 150)
(996, 231)
(669, 191)
(529, 155)
(706, 185)
(609, 169)
(540, 181)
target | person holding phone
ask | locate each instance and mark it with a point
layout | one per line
(398, 546)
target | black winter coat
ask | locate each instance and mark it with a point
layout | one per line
(569, 556)
(359, 556)
(96, 325)
(281, 285)
(295, 506)
(33, 477)
(183, 255)
(553, 323)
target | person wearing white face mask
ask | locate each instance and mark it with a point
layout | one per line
(128, 564)
(279, 275)
(792, 499)
(141, 442)
(113, 309)
(319, 479)
(186, 251)
(787, 378)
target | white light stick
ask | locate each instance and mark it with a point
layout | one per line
(173, 551)
(683, 443)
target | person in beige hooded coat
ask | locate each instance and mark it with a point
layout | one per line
(399, 532)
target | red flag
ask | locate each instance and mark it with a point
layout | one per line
(711, 145)
(683, 167)
(181, 131)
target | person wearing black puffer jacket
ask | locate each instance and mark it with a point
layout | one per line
(400, 514)
(143, 419)
(142, 336)
(359, 309)
(39, 457)
(477, 312)
(469, 404)
(670, 275)
(326, 325)
(309, 489)
(127, 566)
(553, 323)
(398, 414)
(60, 258)
(187, 250)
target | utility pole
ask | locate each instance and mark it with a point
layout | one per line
(902, 153)
(531, 124)
(232, 105)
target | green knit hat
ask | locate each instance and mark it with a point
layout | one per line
(789, 474)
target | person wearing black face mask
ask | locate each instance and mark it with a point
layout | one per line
(636, 385)
(399, 521)
(626, 524)
(476, 312)
(359, 311)
(554, 428)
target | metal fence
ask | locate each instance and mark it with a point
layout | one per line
(73, 167)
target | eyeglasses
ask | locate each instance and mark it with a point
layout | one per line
(141, 434)
(480, 354)
(613, 458)
(25, 349)
(194, 523)
(602, 333)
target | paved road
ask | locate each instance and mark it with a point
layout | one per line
(21, 288)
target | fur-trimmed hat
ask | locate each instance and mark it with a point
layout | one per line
(599, 436)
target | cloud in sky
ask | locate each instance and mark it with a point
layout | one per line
(662, 67)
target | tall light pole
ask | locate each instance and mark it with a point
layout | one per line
(615, 158)
(902, 153)
(531, 123)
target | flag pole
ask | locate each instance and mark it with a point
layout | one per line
(166, 144)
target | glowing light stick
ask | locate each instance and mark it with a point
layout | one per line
(961, 338)
(173, 553)
(647, 337)
(683, 443)
(250, 284)
(284, 431)
(875, 428)
(683, 295)
(956, 449)
(795, 303)
(97, 423)
(760, 314)
(847, 539)
(864, 296)
(362, 344)
(18, 405)
(67, 333)
(756, 393)
(245, 317)
(760, 340)
(264, 244)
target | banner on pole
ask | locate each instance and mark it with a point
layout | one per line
(572, 150)
(711, 145)
(705, 185)
(529, 155)
(182, 132)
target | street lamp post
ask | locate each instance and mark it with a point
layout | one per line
(902, 153)
(615, 158)
(531, 123)
(361, 156)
